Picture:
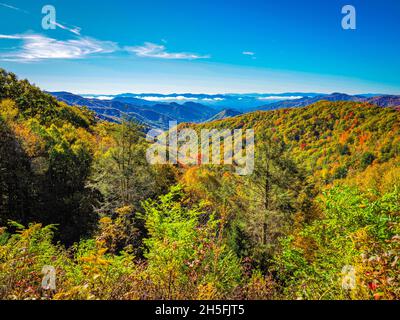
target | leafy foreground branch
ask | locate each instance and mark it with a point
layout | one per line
(186, 259)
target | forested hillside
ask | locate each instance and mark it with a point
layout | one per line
(77, 194)
(330, 140)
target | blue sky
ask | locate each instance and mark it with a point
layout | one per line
(208, 46)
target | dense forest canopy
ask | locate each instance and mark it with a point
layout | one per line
(76, 193)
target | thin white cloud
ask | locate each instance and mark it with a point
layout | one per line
(280, 98)
(75, 30)
(248, 53)
(173, 98)
(11, 37)
(178, 98)
(37, 47)
(213, 99)
(5, 5)
(99, 97)
(152, 50)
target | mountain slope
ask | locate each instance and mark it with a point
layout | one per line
(187, 112)
(34, 103)
(227, 113)
(115, 110)
(385, 101)
(332, 139)
(150, 114)
(382, 101)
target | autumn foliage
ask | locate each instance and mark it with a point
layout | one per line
(77, 194)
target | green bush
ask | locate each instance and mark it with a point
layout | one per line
(354, 230)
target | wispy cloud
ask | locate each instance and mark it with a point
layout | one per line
(37, 47)
(280, 98)
(5, 5)
(248, 53)
(178, 98)
(213, 99)
(152, 50)
(175, 98)
(99, 97)
(75, 30)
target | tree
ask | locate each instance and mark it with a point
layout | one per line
(16, 185)
(125, 179)
(121, 172)
(275, 193)
(183, 252)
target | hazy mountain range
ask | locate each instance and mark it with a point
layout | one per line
(240, 102)
(157, 110)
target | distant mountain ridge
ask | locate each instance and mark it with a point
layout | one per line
(238, 101)
(157, 115)
(381, 101)
(158, 112)
(115, 110)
